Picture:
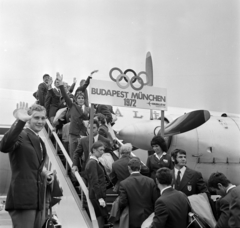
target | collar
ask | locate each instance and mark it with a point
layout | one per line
(183, 169)
(96, 138)
(165, 189)
(33, 131)
(232, 186)
(94, 158)
(135, 172)
(163, 154)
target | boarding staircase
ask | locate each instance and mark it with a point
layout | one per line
(75, 208)
(78, 187)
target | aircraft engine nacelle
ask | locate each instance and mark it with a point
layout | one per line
(212, 147)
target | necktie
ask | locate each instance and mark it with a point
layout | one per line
(41, 147)
(177, 183)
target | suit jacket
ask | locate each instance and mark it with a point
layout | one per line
(223, 210)
(52, 102)
(171, 210)
(192, 182)
(106, 110)
(77, 126)
(42, 93)
(95, 176)
(82, 150)
(139, 193)
(27, 186)
(120, 170)
(234, 220)
(153, 163)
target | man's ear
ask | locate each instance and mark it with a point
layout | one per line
(219, 185)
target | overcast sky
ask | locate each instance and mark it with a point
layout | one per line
(194, 45)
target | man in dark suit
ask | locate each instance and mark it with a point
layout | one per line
(53, 99)
(43, 89)
(219, 183)
(139, 193)
(234, 220)
(82, 150)
(172, 207)
(184, 179)
(120, 167)
(27, 154)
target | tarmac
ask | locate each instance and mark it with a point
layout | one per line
(5, 220)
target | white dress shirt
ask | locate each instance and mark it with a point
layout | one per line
(183, 169)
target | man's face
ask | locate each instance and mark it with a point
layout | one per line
(95, 129)
(221, 190)
(181, 159)
(99, 151)
(56, 83)
(46, 79)
(38, 120)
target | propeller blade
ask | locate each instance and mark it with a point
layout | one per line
(187, 122)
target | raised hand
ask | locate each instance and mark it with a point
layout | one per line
(21, 112)
(74, 80)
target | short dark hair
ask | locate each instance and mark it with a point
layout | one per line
(94, 122)
(96, 145)
(176, 152)
(135, 164)
(164, 176)
(45, 75)
(216, 178)
(159, 140)
(101, 118)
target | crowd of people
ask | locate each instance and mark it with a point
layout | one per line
(163, 186)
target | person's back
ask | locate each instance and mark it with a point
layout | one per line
(139, 193)
(172, 207)
(120, 168)
(176, 208)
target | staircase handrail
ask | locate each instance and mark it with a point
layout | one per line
(78, 177)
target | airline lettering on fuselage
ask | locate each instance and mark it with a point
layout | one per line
(136, 114)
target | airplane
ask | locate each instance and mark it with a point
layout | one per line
(213, 146)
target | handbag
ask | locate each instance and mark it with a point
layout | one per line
(51, 222)
(195, 221)
(53, 190)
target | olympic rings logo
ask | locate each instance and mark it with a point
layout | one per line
(123, 75)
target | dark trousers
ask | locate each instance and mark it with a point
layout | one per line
(26, 218)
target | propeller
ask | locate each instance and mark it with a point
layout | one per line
(187, 122)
